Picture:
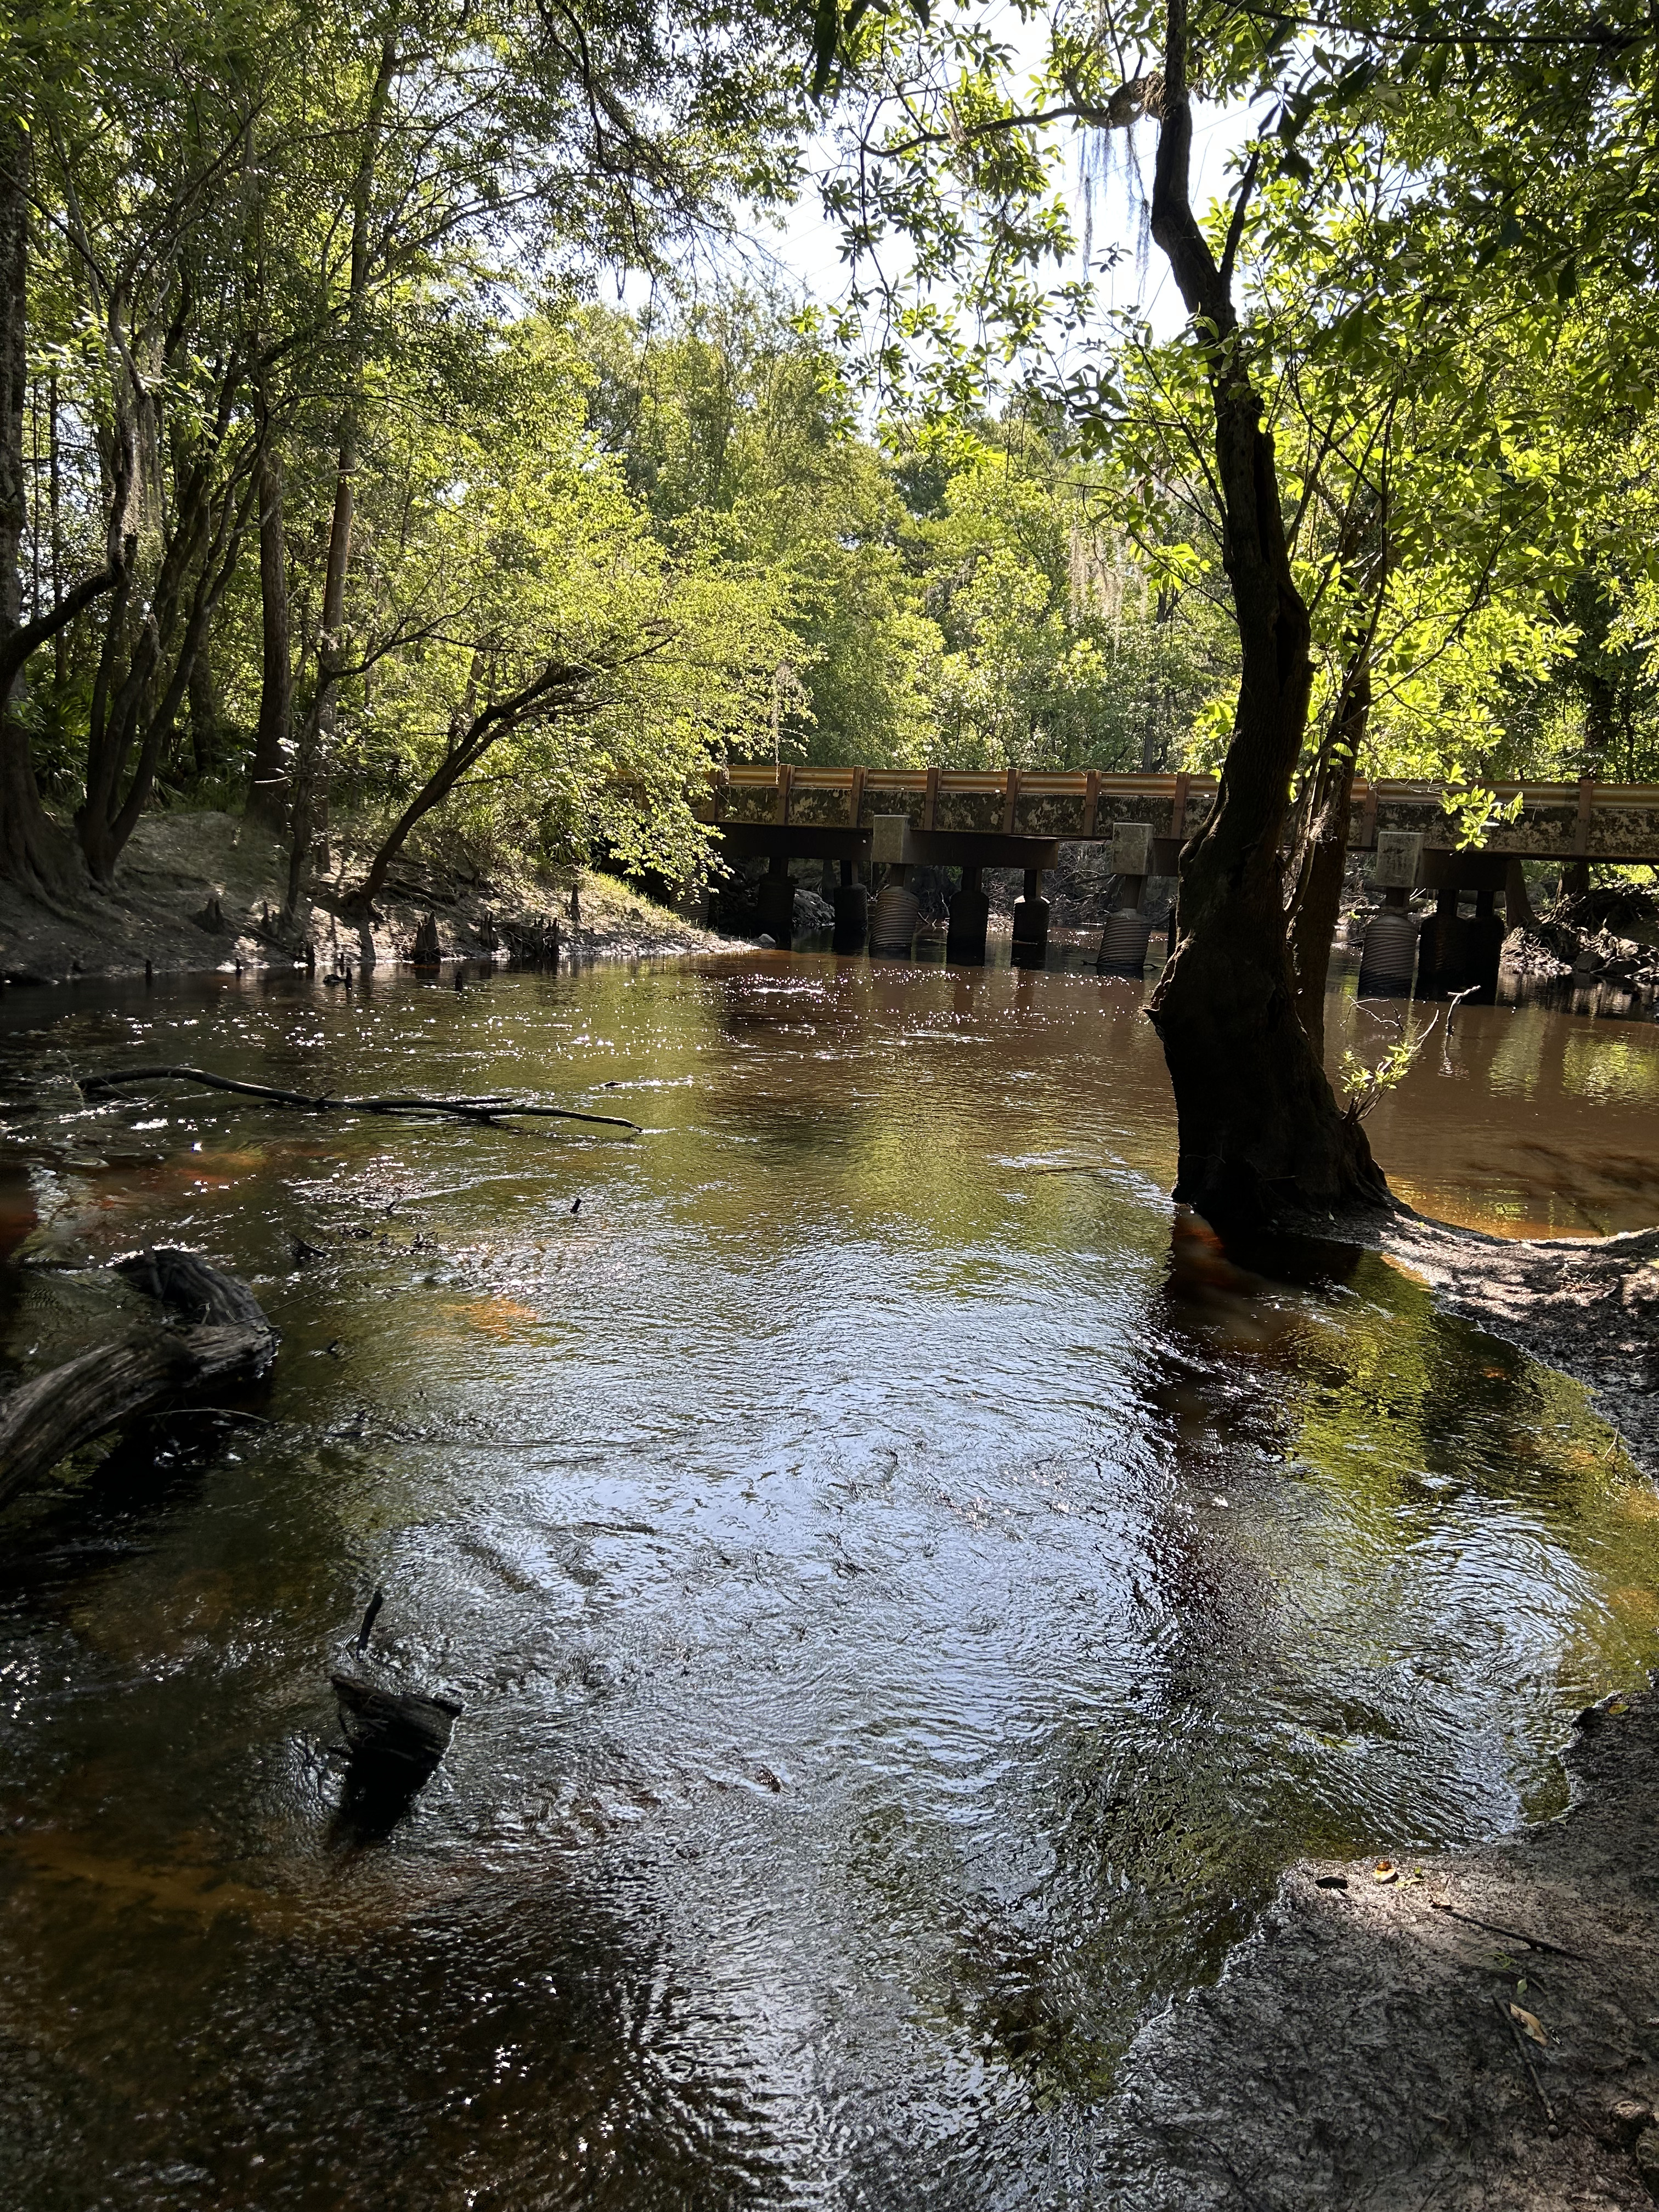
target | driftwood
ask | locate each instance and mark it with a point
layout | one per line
(225, 1338)
(492, 1107)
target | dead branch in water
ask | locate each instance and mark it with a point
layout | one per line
(226, 1339)
(492, 1107)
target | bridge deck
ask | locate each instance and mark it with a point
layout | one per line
(1612, 822)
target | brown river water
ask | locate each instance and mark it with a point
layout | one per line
(908, 1594)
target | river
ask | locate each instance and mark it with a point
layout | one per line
(907, 1603)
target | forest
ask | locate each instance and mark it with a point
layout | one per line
(652, 1565)
(407, 423)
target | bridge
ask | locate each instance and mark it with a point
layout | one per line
(862, 817)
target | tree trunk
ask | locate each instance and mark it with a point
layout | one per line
(268, 795)
(1518, 906)
(1260, 1132)
(316, 741)
(1319, 899)
(471, 736)
(35, 854)
(227, 1340)
(1154, 735)
(317, 736)
(1322, 860)
(206, 718)
(433, 793)
(176, 624)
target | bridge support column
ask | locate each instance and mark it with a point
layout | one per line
(777, 903)
(1442, 949)
(1128, 932)
(1031, 946)
(1485, 946)
(970, 916)
(852, 905)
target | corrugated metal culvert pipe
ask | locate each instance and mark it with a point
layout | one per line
(893, 924)
(1389, 958)
(1123, 943)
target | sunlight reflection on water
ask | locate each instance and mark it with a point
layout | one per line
(908, 1604)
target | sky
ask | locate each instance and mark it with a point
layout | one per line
(804, 252)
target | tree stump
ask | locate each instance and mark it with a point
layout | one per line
(395, 1742)
(425, 952)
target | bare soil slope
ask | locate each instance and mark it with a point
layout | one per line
(180, 867)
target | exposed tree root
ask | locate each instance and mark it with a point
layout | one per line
(226, 1339)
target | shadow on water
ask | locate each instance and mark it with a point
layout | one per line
(908, 1596)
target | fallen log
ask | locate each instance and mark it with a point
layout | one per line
(492, 1107)
(225, 1338)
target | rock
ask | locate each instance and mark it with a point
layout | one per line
(767, 944)
(812, 914)
(1629, 2118)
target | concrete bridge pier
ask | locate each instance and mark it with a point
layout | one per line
(1128, 932)
(1442, 948)
(1486, 933)
(971, 917)
(1031, 946)
(852, 905)
(1461, 952)
(777, 902)
(1388, 958)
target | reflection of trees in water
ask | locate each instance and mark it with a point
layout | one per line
(1148, 1788)
(1306, 1625)
(1533, 1119)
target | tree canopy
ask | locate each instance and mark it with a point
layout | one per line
(330, 483)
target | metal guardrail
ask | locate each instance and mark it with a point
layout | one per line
(1611, 821)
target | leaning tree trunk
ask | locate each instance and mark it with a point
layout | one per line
(1260, 1133)
(432, 794)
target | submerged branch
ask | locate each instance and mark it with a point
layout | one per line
(491, 1108)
